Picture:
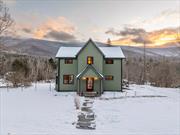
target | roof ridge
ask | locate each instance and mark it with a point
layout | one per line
(86, 68)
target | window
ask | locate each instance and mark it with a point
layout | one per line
(109, 77)
(68, 79)
(68, 61)
(109, 61)
(89, 60)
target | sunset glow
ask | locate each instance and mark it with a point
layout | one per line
(157, 39)
(67, 21)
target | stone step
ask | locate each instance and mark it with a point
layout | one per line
(90, 94)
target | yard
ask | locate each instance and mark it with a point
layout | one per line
(39, 110)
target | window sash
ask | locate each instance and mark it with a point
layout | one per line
(68, 61)
(68, 79)
(109, 77)
(109, 61)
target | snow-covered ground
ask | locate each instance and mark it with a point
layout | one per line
(5, 83)
(39, 110)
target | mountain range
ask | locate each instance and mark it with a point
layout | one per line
(47, 48)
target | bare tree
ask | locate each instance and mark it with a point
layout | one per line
(142, 38)
(5, 22)
(109, 41)
(5, 18)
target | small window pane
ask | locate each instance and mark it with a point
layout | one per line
(68, 61)
(68, 79)
(71, 79)
(109, 77)
(90, 60)
(109, 61)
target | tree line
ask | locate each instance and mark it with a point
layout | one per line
(161, 72)
(22, 69)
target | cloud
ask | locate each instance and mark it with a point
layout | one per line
(60, 36)
(138, 35)
(59, 24)
(27, 30)
(133, 36)
(112, 31)
(141, 40)
(126, 32)
(52, 28)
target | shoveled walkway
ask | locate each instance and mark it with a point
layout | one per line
(86, 117)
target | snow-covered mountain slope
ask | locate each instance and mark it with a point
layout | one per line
(173, 51)
(50, 48)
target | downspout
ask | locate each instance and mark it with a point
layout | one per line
(78, 83)
(121, 74)
(101, 85)
(58, 74)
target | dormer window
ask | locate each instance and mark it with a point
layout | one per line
(89, 60)
(109, 61)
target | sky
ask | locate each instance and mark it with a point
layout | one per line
(79, 20)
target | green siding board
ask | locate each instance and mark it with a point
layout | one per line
(115, 70)
(90, 50)
(68, 69)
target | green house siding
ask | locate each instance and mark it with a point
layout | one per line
(90, 50)
(68, 69)
(114, 70)
(82, 71)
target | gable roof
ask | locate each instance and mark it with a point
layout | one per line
(112, 52)
(107, 52)
(67, 52)
(90, 40)
(86, 69)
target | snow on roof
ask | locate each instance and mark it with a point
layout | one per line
(112, 52)
(71, 52)
(86, 68)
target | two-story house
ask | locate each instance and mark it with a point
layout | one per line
(89, 70)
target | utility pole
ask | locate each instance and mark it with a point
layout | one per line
(144, 75)
(127, 62)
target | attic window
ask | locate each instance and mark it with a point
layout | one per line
(109, 61)
(90, 60)
(68, 61)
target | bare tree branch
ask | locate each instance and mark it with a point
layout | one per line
(5, 18)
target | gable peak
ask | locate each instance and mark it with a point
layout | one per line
(90, 40)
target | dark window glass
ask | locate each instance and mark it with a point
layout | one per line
(68, 61)
(90, 60)
(68, 79)
(109, 77)
(109, 61)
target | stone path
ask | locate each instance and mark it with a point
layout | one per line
(86, 117)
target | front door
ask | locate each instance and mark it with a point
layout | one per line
(89, 84)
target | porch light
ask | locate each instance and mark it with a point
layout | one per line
(84, 78)
(95, 78)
